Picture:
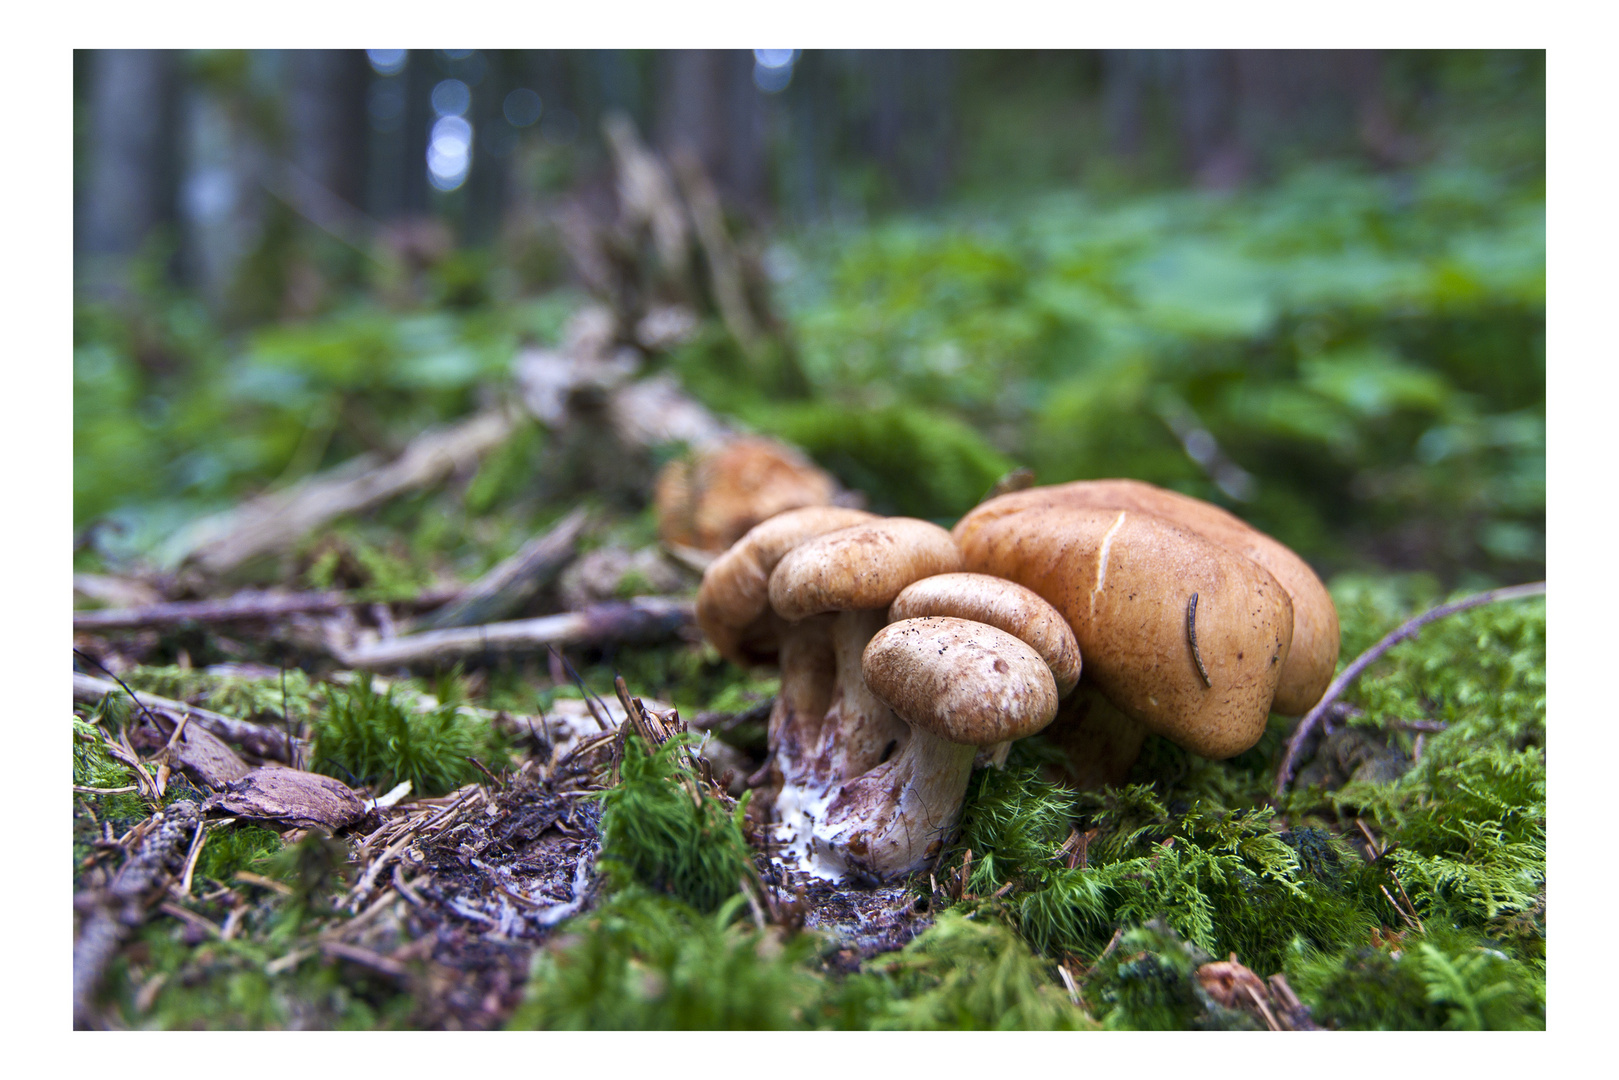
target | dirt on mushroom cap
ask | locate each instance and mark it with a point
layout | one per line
(1003, 604)
(966, 682)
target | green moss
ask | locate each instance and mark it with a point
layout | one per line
(1450, 979)
(371, 738)
(239, 847)
(661, 829)
(291, 693)
(970, 971)
(1147, 984)
(646, 960)
(225, 986)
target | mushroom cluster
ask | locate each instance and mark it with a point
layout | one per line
(906, 652)
(1193, 624)
(873, 734)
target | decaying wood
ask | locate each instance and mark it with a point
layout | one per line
(273, 523)
(244, 606)
(258, 739)
(505, 589)
(110, 914)
(1407, 629)
(117, 591)
(1233, 986)
(646, 196)
(642, 620)
(250, 605)
(290, 796)
(724, 264)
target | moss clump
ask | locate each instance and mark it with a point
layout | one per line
(370, 738)
(240, 847)
(969, 971)
(288, 694)
(644, 960)
(1147, 984)
(1448, 979)
(661, 828)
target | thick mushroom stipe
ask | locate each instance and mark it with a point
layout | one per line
(960, 685)
(1124, 580)
(1312, 655)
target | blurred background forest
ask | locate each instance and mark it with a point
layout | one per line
(1308, 286)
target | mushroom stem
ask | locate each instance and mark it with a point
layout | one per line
(895, 817)
(859, 730)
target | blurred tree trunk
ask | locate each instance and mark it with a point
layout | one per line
(326, 122)
(132, 158)
(708, 104)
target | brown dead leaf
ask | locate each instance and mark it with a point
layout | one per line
(274, 793)
(207, 758)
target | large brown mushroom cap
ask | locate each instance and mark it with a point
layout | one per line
(862, 567)
(1313, 654)
(733, 601)
(962, 681)
(1002, 604)
(1125, 581)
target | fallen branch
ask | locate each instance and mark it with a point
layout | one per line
(507, 587)
(275, 522)
(247, 606)
(1408, 629)
(258, 739)
(642, 620)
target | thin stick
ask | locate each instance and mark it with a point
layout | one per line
(1408, 629)
(120, 682)
(191, 857)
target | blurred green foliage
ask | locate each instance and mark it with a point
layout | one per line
(1366, 351)
(1370, 349)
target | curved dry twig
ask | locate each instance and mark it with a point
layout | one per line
(1408, 629)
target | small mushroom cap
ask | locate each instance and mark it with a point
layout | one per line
(963, 681)
(1124, 581)
(861, 567)
(734, 599)
(1312, 656)
(1003, 604)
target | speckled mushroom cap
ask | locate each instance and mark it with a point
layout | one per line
(1312, 656)
(734, 598)
(862, 567)
(1003, 604)
(965, 682)
(1203, 678)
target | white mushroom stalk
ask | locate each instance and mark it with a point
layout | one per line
(849, 575)
(960, 685)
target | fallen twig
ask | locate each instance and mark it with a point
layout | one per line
(275, 522)
(1408, 629)
(644, 619)
(506, 588)
(247, 606)
(258, 739)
